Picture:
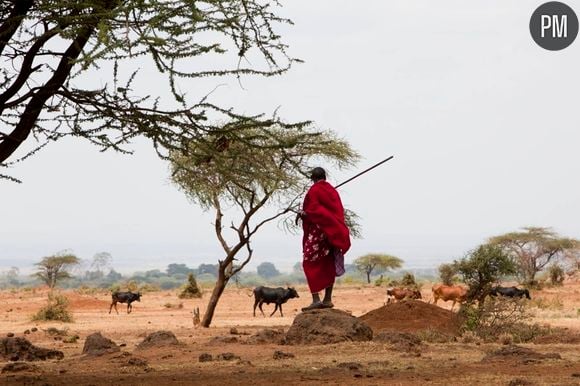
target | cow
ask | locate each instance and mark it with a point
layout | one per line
(273, 295)
(511, 292)
(124, 297)
(402, 293)
(449, 292)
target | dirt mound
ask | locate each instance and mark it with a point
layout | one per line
(267, 336)
(96, 345)
(20, 349)
(158, 339)
(401, 341)
(327, 326)
(519, 353)
(412, 316)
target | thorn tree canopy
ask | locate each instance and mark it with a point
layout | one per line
(50, 51)
(52, 269)
(376, 262)
(533, 248)
(258, 176)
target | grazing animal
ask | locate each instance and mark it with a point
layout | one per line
(402, 293)
(124, 297)
(196, 318)
(273, 295)
(449, 292)
(512, 292)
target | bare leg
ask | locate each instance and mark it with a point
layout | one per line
(327, 301)
(316, 303)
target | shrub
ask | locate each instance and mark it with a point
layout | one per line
(556, 274)
(447, 273)
(498, 316)
(382, 281)
(56, 309)
(191, 289)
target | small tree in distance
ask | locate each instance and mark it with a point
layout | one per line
(53, 269)
(191, 289)
(267, 270)
(447, 273)
(533, 249)
(374, 262)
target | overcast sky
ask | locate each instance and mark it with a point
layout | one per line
(483, 123)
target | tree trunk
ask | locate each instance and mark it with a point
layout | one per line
(217, 292)
(369, 277)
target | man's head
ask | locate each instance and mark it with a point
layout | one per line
(317, 174)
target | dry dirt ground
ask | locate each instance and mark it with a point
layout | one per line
(368, 363)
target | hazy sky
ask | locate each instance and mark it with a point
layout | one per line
(483, 123)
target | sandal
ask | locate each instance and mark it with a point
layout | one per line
(313, 306)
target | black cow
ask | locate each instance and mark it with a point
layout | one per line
(273, 295)
(510, 292)
(124, 297)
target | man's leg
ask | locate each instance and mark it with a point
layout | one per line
(316, 303)
(327, 301)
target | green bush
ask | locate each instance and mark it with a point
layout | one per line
(191, 289)
(56, 309)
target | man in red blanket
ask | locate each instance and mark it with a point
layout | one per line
(326, 239)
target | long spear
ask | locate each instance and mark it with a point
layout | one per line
(364, 171)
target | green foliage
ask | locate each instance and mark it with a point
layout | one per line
(267, 270)
(69, 38)
(533, 248)
(447, 273)
(408, 280)
(53, 269)
(556, 273)
(482, 267)
(376, 262)
(55, 310)
(191, 290)
(173, 269)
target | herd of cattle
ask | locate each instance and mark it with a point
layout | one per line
(279, 296)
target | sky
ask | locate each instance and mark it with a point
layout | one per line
(483, 124)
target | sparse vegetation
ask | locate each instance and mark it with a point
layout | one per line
(191, 289)
(53, 269)
(55, 310)
(556, 273)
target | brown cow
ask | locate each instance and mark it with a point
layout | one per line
(402, 293)
(449, 292)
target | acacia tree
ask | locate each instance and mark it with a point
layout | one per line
(533, 249)
(481, 267)
(257, 178)
(51, 49)
(52, 269)
(373, 262)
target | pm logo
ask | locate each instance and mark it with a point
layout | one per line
(554, 26)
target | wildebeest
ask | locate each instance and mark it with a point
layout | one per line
(402, 293)
(273, 295)
(512, 292)
(449, 292)
(124, 297)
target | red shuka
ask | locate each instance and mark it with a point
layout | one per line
(324, 230)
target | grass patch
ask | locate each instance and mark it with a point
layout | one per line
(55, 310)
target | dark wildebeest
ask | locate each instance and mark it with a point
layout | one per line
(124, 297)
(402, 293)
(273, 295)
(449, 292)
(511, 292)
